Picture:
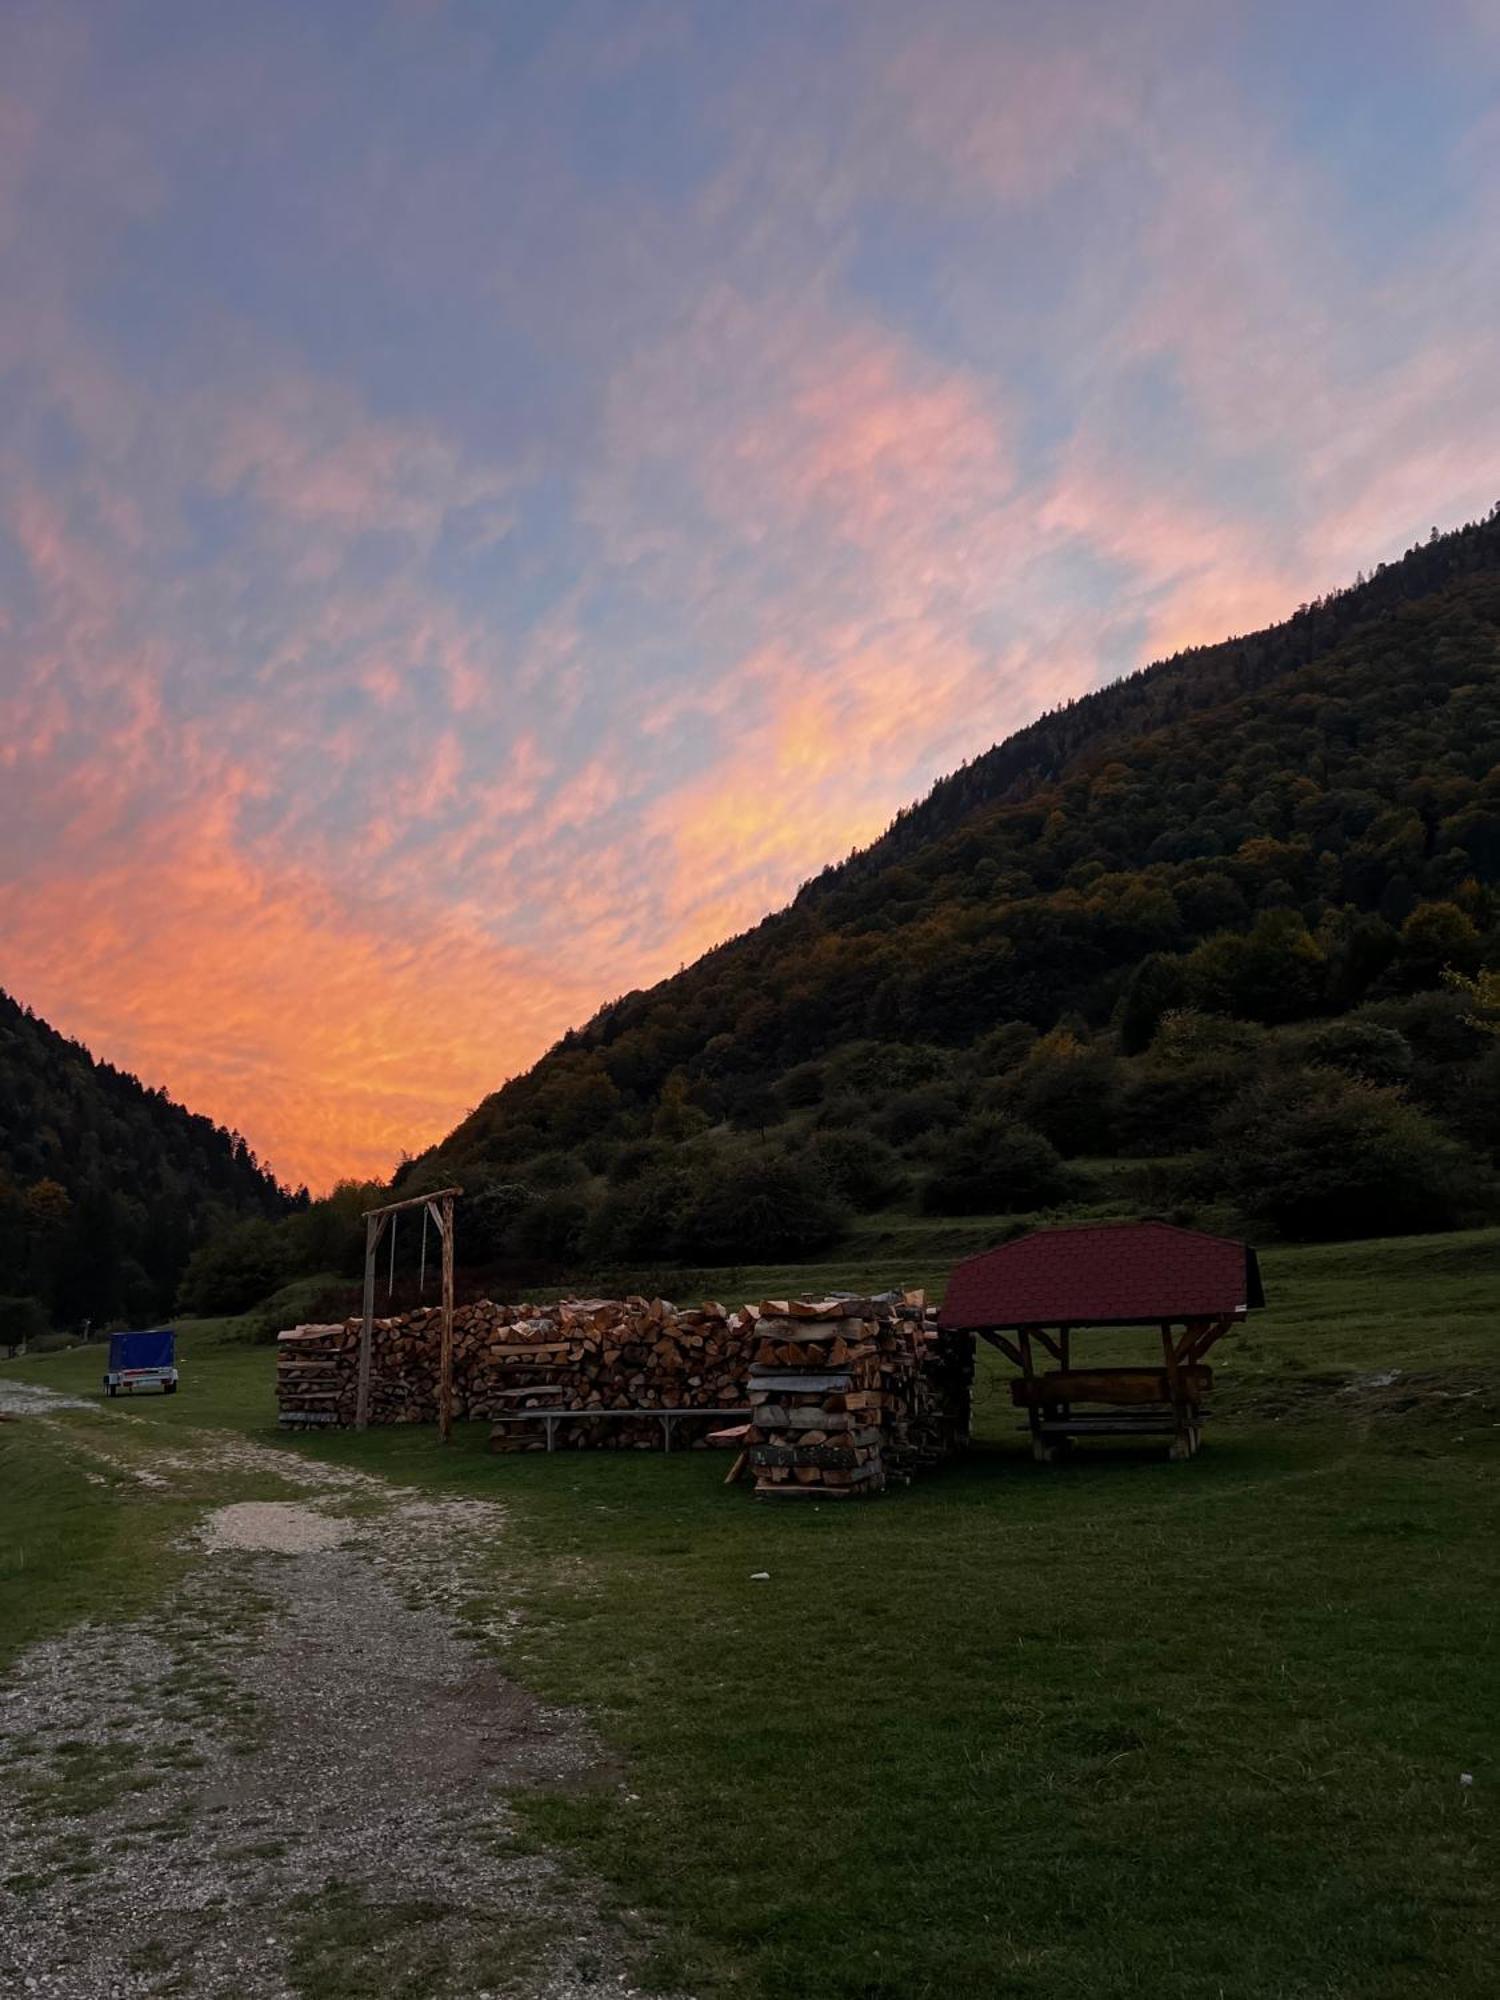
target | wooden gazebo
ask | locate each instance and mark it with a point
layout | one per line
(1041, 1290)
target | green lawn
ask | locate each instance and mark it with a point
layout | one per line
(1115, 1728)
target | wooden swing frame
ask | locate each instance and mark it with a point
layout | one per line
(439, 1207)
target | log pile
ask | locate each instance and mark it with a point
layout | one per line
(849, 1393)
(843, 1394)
(622, 1355)
(510, 1360)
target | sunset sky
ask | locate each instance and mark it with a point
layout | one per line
(494, 495)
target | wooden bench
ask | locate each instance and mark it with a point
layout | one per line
(551, 1417)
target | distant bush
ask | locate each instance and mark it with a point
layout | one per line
(552, 1228)
(1186, 1036)
(23, 1321)
(882, 1067)
(1439, 1027)
(1322, 1156)
(1437, 938)
(1361, 1048)
(750, 1207)
(1157, 985)
(552, 1170)
(235, 1270)
(802, 1086)
(1171, 1107)
(487, 1217)
(859, 1167)
(992, 1166)
(1275, 973)
(638, 1219)
(842, 1110)
(637, 1157)
(1067, 1090)
(1005, 1046)
(911, 1113)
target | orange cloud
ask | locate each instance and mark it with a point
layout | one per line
(334, 1033)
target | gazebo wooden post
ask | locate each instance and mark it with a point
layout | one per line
(1041, 1451)
(1064, 1362)
(1184, 1435)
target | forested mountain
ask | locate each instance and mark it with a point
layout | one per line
(1295, 827)
(106, 1186)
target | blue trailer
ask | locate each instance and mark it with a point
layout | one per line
(141, 1361)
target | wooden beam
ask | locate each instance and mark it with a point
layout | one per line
(1008, 1348)
(445, 1366)
(1201, 1336)
(415, 1201)
(1041, 1451)
(374, 1229)
(1180, 1446)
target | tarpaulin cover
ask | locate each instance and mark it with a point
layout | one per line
(142, 1350)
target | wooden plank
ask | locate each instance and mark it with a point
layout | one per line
(1007, 1347)
(412, 1201)
(1162, 1423)
(775, 1382)
(1107, 1385)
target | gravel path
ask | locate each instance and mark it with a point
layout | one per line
(29, 1399)
(293, 1765)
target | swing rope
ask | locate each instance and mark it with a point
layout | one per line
(390, 1285)
(422, 1288)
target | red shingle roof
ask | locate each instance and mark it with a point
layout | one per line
(1106, 1274)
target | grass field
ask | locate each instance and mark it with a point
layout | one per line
(1120, 1727)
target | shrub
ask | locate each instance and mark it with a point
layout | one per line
(1436, 938)
(1439, 1027)
(1067, 1091)
(802, 1086)
(22, 1322)
(747, 1208)
(1003, 1047)
(860, 1168)
(1323, 1156)
(1171, 1107)
(235, 1270)
(1158, 984)
(1276, 973)
(993, 1166)
(910, 1113)
(488, 1217)
(553, 1227)
(1361, 1048)
(638, 1219)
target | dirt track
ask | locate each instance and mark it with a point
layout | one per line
(294, 1762)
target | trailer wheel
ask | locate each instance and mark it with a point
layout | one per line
(170, 1387)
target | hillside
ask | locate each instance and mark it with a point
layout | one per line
(1289, 827)
(105, 1186)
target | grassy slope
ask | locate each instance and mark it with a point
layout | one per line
(1119, 1728)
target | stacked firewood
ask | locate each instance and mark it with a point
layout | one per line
(511, 1360)
(842, 1394)
(847, 1393)
(315, 1374)
(620, 1355)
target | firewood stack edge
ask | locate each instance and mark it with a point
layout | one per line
(849, 1393)
(841, 1394)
